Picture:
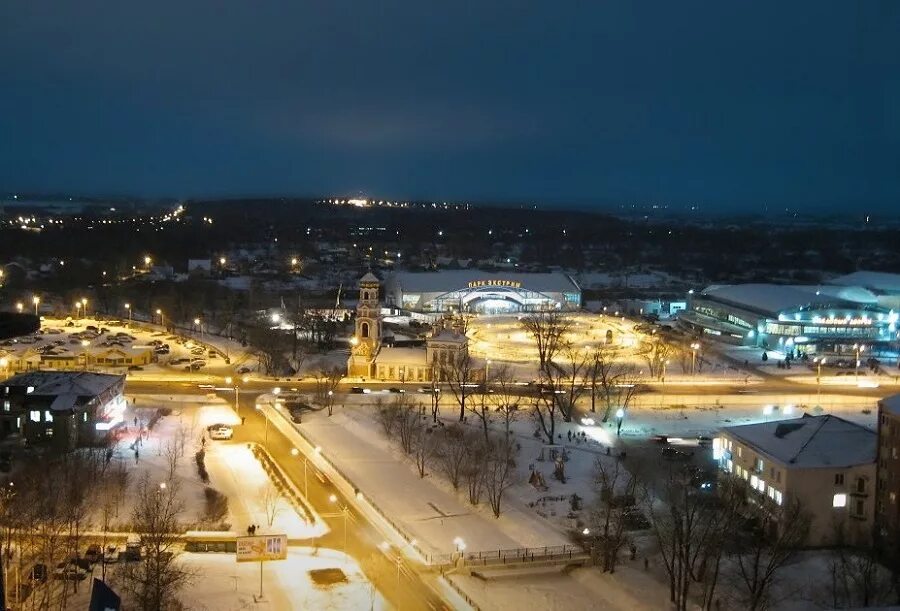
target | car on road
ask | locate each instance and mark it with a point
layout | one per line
(70, 571)
(660, 439)
(673, 454)
(704, 441)
(243, 370)
(359, 390)
(220, 431)
(135, 368)
(394, 389)
(93, 554)
(429, 390)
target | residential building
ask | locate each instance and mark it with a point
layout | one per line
(887, 505)
(65, 409)
(825, 463)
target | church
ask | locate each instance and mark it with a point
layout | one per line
(370, 359)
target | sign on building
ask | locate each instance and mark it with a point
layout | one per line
(261, 548)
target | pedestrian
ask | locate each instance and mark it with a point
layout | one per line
(109, 455)
(646, 563)
(569, 435)
(633, 551)
(135, 421)
(243, 419)
(607, 450)
(136, 456)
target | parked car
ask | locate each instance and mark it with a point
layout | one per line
(221, 431)
(70, 571)
(243, 370)
(394, 389)
(660, 438)
(93, 554)
(359, 390)
(135, 368)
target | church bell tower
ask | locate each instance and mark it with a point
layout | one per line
(366, 341)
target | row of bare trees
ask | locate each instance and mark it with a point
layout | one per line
(704, 541)
(55, 498)
(480, 464)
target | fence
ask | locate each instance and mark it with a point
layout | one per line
(512, 556)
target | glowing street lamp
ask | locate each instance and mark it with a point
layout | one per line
(20, 307)
(620, 416)
(84, 303)
(694, 348)
(147, 261)
(36, 301)
(162, 317)
(128, 307)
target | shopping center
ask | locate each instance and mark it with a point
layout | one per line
(477, 291)
(814, 319)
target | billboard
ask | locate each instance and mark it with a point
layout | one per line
(261, 548)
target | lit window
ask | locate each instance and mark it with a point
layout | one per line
(34, 415)
(778, 497)
(6, 406)
(48, 417)
(753, 481)
(29, 390)
(839, 500)
(893, 497)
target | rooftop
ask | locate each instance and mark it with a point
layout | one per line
(876, 281)
(69, 383)
(451, 280)
(810, 441)
(891, 404)
(770, 299)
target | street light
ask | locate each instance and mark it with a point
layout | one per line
(819, 362)
(147, 261)
(36, 301)
(266, 416)
(128, 308)
(162, 318)
(620, 416)
(694, 347)
(20, 307)
(859, 348)
(345, 513)
(84, 303)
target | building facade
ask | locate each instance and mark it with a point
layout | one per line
(887, 503)
(483, 292)
(825, 463)
(63, 409)
(823, 320)
(369, 358)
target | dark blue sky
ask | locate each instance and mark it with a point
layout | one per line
(729, 104)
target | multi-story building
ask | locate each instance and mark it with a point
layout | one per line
(65, 409)
(887, 505)
(824, 463)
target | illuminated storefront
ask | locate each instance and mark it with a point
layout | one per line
(794, 319)
(477, 291)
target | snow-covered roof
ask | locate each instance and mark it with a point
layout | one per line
(877, 281)
(369, 277)
(891, 404)
(401, 356)
(451, 280)
(770, 299)
(55, 383)
(810, 441)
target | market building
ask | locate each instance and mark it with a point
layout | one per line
(887, 503)
(824, 463)
(832, 319)
(483, 292)
(64, 409)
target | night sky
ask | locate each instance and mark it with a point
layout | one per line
(734, 105)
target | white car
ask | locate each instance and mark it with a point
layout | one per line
(220, 431)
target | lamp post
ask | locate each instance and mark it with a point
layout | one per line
(266, 416)
(20, 307)
(199, 325)
(620, 416)
(694, 347)
(36, 301)
(128, 309)
(84, 303)
(162, 318)
(345, 512)
(819, 362)
(84, 344)
(859, 349)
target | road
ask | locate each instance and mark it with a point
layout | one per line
(408, 592)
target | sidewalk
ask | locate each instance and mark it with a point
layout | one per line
(425, 509)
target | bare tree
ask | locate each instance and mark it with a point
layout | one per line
(655, 351)
(327, 380)
(504, 396)
(460, 376)
(154, 583)
(409, 422)
(548, 329)
(545, 410)
(779, 534)
(272, 501)
(858, 580)
(387, 414)
(615, 382)
(616, 488)
(500, 470)
(473, 470)
(424, 448)
(452, 449)
(481, 409)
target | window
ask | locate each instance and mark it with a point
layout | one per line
(860, 484)
(6, 406)
(34, 415)
(364, 329)
(893, 496)
(740, 454)
(778, 497)
(839, 500)
(838, 479)
(758, 465)
(48, 417)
